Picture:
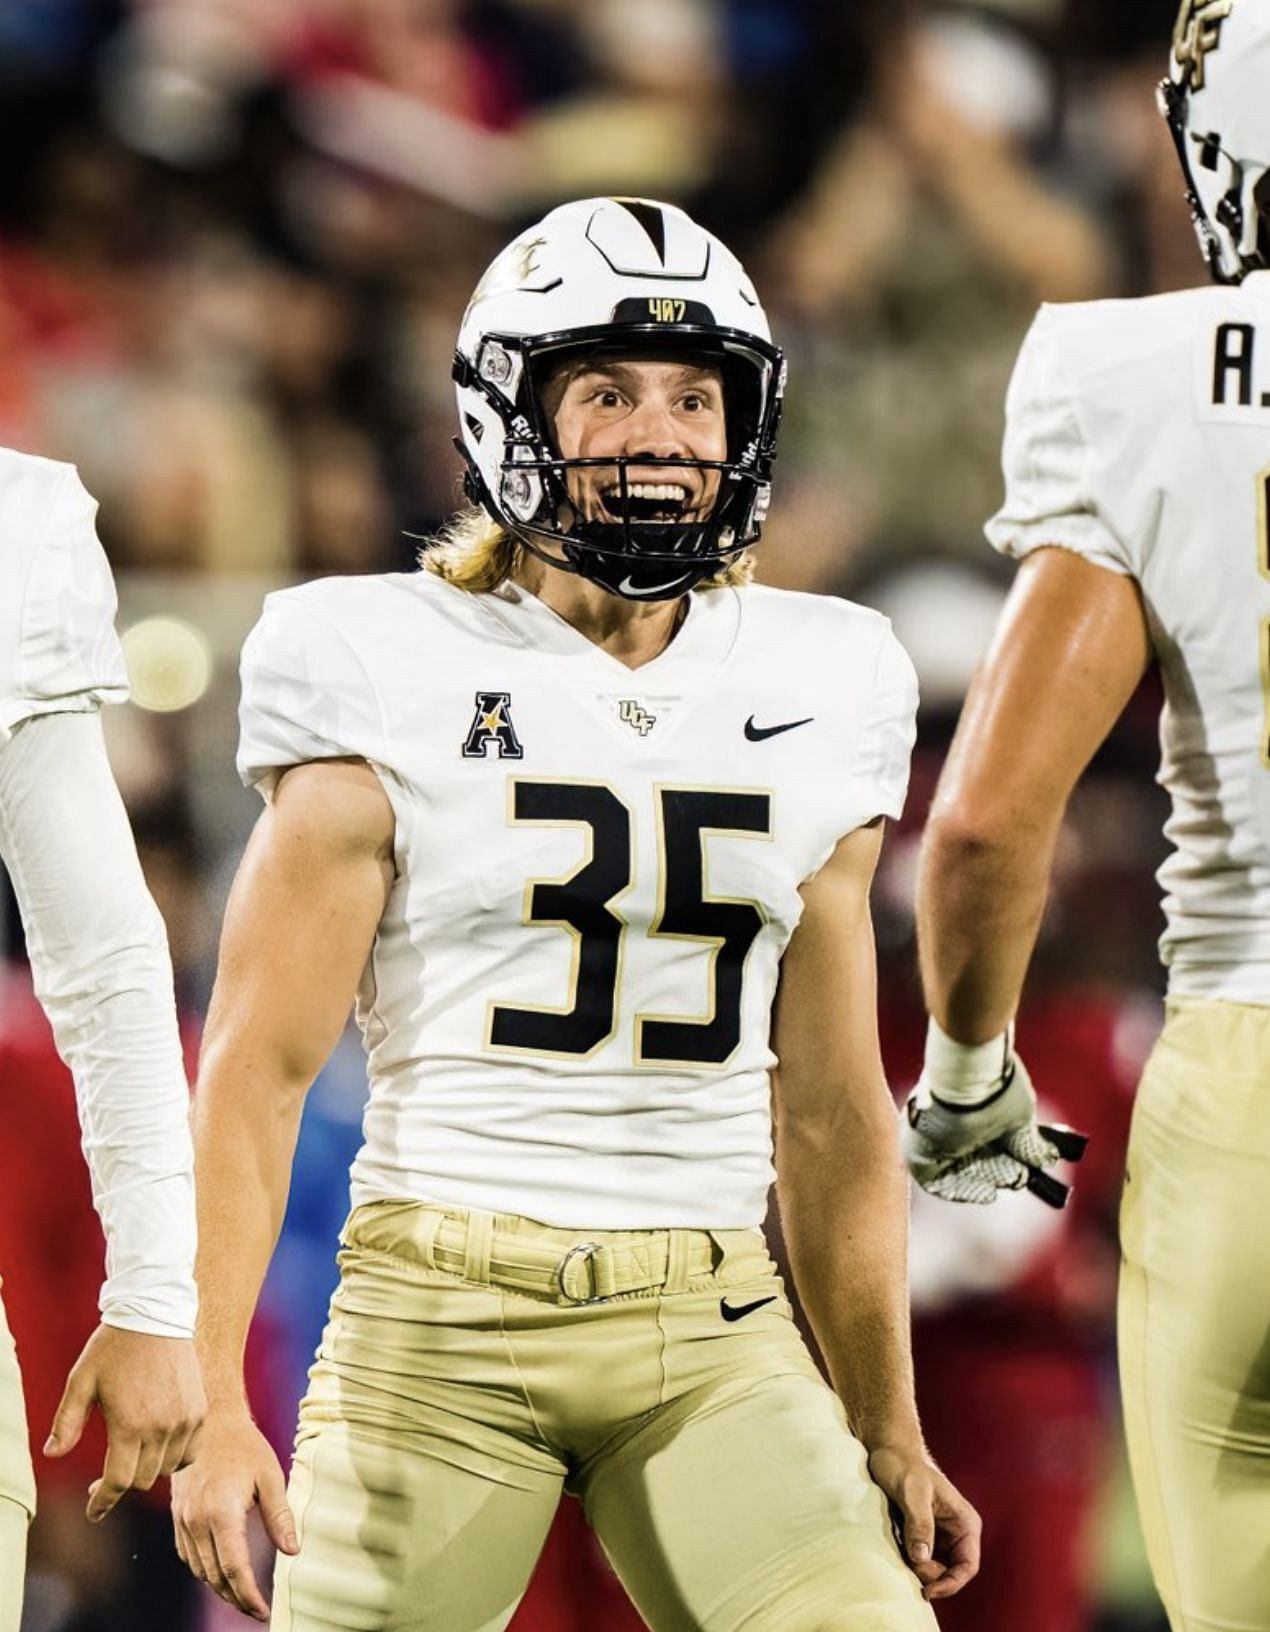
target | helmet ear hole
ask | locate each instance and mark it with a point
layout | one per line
(1260, 204)
(1230, 214)
(1210, 151)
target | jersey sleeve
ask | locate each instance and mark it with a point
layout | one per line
(880, 764)
(99, 958)
(1050, 498)
(306, 694)
(68, 656)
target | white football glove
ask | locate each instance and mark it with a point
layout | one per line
(965, 1138)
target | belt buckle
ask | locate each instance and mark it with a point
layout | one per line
(586, 1250)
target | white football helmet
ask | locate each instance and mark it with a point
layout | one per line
(620, 277)
(1217, 102)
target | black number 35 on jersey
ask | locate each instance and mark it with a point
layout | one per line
(584, 904)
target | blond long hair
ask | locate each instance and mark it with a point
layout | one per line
(474, 552)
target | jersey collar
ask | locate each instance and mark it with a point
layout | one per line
(703, 639)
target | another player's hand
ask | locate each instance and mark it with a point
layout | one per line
(236, 1470)
(151, 1395)
(963, 1145)
(936, 1526)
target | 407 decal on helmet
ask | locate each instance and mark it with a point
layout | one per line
(610, 278)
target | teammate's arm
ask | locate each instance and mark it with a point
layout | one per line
(298, 930)
(1068, 654)
(844, 1203)
(1070, 649)
(99, 960)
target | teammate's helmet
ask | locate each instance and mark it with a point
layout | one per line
(1217, 102)
(615, 277)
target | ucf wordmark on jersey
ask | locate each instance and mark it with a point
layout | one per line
(567, 1006)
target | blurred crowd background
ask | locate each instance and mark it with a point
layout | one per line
(236, 237)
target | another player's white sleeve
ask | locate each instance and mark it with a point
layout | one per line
(305, 695)
(68, 657)
(99, 957)
(1049, 497)
(880, 764)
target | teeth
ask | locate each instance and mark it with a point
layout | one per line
(651, 490)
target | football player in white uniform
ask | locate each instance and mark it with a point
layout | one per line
(560, 809)
(1137, 464)
(99, 958)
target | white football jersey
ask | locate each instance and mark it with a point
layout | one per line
(1138, 435)
(58, 648)
(567, 1007)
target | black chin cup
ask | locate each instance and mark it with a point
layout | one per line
(618, 577)
(640, 581)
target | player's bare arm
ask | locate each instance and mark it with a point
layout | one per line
(844, 1204)
(1070, 649)
(100, 963)
(298, 930)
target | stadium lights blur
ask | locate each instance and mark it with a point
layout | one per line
(169, 664)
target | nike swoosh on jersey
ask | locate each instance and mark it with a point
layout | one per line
(741, 1310)
(757, 733)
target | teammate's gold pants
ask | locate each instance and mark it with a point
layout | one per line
(457, 1392)
(17, 1483)
(1195, 1314)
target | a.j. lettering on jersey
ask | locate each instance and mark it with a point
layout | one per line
(1236, 385)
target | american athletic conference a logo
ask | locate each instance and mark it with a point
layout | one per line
(492, 724)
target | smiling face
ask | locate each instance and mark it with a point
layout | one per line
(615, 407)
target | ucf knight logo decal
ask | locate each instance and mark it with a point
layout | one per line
(1197, 33)
(492, 725)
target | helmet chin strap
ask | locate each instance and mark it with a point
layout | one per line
(630, 581)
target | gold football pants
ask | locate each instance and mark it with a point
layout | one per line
(17, 1483)
(463, 1382)
(1195, 1314)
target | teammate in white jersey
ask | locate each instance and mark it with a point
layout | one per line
(99, 958)
(1137, 463)
(561, 810)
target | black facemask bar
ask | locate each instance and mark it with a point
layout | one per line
(674, 540)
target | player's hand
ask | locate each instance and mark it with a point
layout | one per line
(963, 1146)
(236, 1470)
(935, 1525)
(151, 1395)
